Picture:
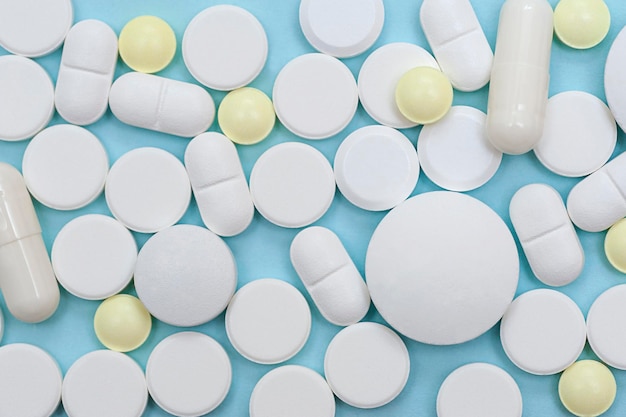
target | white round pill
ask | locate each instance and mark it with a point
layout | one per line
(185, 275)
(442, 268)
(304, 90)
(292, 184)
(224, 47)
(147, 189)
(367, 365)
(615, 78)
(292, 390)
(606, 326)
(104, 383)
(455, 154)
(376, 168)
(188, 374)
(579, 134)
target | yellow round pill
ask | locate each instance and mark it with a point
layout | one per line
(424, 95)
(246, 116)
(122, 323)
(615, 245)
(587, 388)
(581, 24)
(147, 44)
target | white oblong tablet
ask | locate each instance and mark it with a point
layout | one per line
(455, 154)
(379, 76)
(543, 331)
(292, 184)
(188, 374)
(376, 168)
(479, 389)
(606, 326)
(442, 268)
(185, 275)
(147, 190)
(65, 167)
(292, 390)
(304, 90)
(579, 134)
(104, 383)
(224, 47)
(615, 78)
(27, 99)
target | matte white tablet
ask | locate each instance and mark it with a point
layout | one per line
(606, 326)
(442, 268)
(615, 78)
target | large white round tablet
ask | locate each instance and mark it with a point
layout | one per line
(579, 134)
(442, 268)
(188, 374)
(455, 154)
(292, 390)
(543, 331)
(104, 383)
(606, 326)
(376, 168)
(147, 189)
(185, 275)
(615, 78)
(292, 184)
(27, 99)
(379, 76)
(224, 47)
(315, 96)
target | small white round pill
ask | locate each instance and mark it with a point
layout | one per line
(606, 326)
(615, 78)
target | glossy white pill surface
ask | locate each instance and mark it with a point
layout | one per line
(615, 78)
(606, 326)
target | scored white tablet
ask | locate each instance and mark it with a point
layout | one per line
(606, 326)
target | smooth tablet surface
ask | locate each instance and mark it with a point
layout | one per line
(581, 24)
(606, 326)
(292, 184)
(442, 268)
(246, 115)
(367, 365)
(587, 388)
(147, 44)
(376, 167)
(615, 245)
(455, 154)
(424, 95)
(188, 374)
(122, 323)
(615, 78)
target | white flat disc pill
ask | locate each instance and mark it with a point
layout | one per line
(376, 168)
(65, 167)
(147, 189)
(185, 275)
(27, 99)
(579, 134)
(379, 76)
(306, 86)
(606, 326)
(454, 152)
(188, 374)
(615, 78)
(104, 383)
(292, 184)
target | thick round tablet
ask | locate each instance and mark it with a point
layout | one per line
(188, 374)
(376, 167)
(147, 44)
(185, 275)
(442, 268)
(224, 47)
(615, 245)
(290, 391)
(587, 388)
(104, 383)
(303, 90)
(292, 184)
(581, 24)
(367, 365)
(455, 154)
(122, 323)
(615, 78)
(424, 95)
(147, 190)
(246, 116)
(606, 326)
(543, 331)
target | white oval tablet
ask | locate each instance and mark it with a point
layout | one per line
(292, 184)
(379, 76)
(442, 268)
(304, 90)
(185, 275)
(224, 47)
(147, 189)
(455, 153)
(376, 168)
(188, 374)
(615, 78)
(606, 326)
(104, 383)
(292, 390)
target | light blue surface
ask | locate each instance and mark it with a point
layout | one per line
(263, 250)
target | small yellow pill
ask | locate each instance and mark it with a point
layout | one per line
(615, 245)
(246, 115)
(122, 323)
(147, 44)
(587, 388)
(424, 95)
(581, 24)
